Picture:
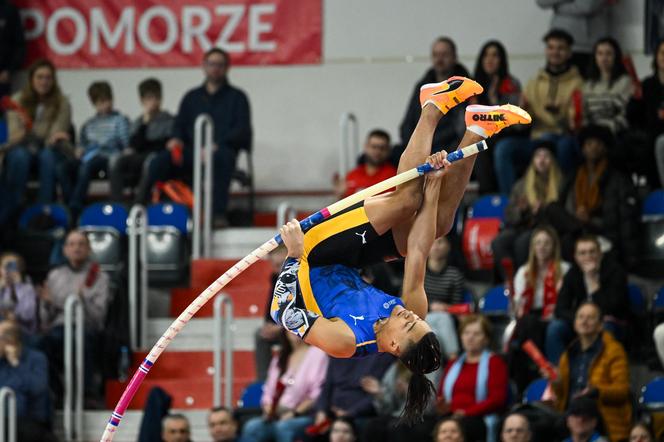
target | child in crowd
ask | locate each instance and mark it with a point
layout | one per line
(102, 138)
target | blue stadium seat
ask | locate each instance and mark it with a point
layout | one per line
(652, 395)
(4, 132)
(168, 228)
(637, 300)
(56, 213)
(468, 297)
(653, 206)
(658, 301)
(495, 302)
(105, 225)
(489, 206)
(535, 390)
(251, 396)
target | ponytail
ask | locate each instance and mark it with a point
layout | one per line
(421, 358)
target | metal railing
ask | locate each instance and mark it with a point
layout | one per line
(203, 131)
(349, 149)
(137, 224)
(227, 325)
(7, 415)
(74, 368)
(285, 212)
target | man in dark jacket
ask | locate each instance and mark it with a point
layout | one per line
(593, 278)
(451, 128)
(12, 44)
(228, 107)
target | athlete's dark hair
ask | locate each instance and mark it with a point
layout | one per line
(420, 358)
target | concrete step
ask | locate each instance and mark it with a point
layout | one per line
(237, 242)
(198, 334)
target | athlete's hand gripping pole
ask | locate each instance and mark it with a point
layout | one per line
(262, 251)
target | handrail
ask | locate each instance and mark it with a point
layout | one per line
(285, 212)
(74, 319)
(7, 395)
(138, 256)
(349, 148)
(203, 130)
(227, 325)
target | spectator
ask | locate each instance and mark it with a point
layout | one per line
(175, 428)
(474, 386)
(26, 372)
(449, 430)
(40, 136)
(595, 278)
(444, 65)
(12, 44)
(516, 428)
(375, 168)
(293, 384)
(269, 333)
(80, 276)
(102, 139)
(536, 287)
(583, 421)
(600, 200)
(229, 109)
(343, 430)
(148, 136)
(548, 97)
(343, 394)
(594, 367)
(444, 286)
(18, 299)
(585, 20)
(492, 72)
(640, 432)
(529, 200)
(608, 88)
(222, 425)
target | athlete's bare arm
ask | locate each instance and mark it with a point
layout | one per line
(420, 240)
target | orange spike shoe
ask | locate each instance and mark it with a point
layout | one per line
(447, 94)
(486, 121)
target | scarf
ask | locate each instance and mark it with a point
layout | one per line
(586, 188)
(550, 293)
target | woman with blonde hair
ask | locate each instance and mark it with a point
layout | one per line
(539, 188)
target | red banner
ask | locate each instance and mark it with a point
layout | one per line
(171, 33)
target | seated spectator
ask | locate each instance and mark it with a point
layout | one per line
(529, 200)
(583, 421)
(222, 425)
(81, 277)
(343, 430)
(18, 299)
(40, 136)
(594, 368)
(343, 394)
(548, 97)
(640, 432)
(376, 166)
(25, 371)
(102, 139)
(449, 430)
(492, 72)
(474, 386)
(593, 277)
(268, 335)
(599, 200)
(293, 385)
(516, 428)
(147, 139)
(175, 428)
(536, 287)
(444, 286)
(608, 88)
(450, 130)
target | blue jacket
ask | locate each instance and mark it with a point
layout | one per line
(29, 380)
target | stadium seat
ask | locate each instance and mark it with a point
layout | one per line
(168, 228)
(105, 224)
(3, 131)
(489, 206)
(251, 396)
(652, 395)
(535, 390)
(652, 235)
(653, 206)
(495, 302)
(637, 300)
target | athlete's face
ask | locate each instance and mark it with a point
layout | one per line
(402, 328)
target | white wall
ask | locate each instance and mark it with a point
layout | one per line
(374, 51)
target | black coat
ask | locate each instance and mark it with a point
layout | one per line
(12, 41)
